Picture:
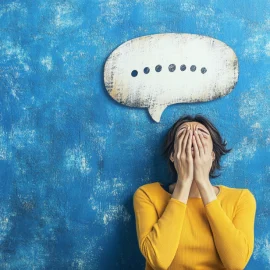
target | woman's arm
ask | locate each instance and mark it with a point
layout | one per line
(158, 237)
(234, 239)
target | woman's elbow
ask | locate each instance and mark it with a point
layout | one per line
(156, 261)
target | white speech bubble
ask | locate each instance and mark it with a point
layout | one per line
(158, 70)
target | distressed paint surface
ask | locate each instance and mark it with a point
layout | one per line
(71, 157)
(156, 71)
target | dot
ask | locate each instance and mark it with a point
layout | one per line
(183, 67)
(203, 70)
(134, 73)
(172, 67)
(158, 68)
(146, 70)
(193, 68)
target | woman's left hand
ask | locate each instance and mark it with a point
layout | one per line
(202, 157)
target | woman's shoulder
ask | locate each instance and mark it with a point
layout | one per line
(234, 190)
(150, 191)
(236, 196)
(150, 195)
(149, 187)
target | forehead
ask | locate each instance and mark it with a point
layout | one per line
(192, 124)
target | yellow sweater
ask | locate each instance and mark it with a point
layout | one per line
(174, 235)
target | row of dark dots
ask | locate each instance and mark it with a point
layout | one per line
(171, 68)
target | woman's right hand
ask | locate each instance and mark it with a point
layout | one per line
(183, 160)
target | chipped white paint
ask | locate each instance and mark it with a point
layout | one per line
(5, 153)
(254, 104)
(47, 62)
(21, 137)
(245, 150)
(110, 212)
(5, 224)
(267, 49)
(256, 125)
(111, 11)
(256, 46)
(65, 16)
(75, 158)
(14, 6)
(210, 71)
(90, 252)
(15, 51)
(113, 212)
(262, 249)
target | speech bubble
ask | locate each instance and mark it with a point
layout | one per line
(158, 70)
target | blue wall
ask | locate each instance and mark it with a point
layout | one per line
(71, 157)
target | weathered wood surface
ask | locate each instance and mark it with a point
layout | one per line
(158, 70)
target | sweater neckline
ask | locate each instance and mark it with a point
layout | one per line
(194, 198)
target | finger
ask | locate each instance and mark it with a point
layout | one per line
(178, 143)
(205, 135)
(199, 144)
(195, 147)
(188, 149)
(180, 132)
(184, 143)
(176, 140)
(202, 138)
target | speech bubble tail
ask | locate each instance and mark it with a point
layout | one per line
(156, 112)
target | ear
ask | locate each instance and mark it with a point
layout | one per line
(171, 157)
(213, 155)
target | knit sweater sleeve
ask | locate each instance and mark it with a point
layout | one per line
(234, 239)
(158, 238)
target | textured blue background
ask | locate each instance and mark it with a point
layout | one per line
(71, 157)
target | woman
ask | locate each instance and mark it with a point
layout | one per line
(192, 224)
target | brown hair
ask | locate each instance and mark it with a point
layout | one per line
(219, 145)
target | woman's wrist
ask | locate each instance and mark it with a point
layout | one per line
(181, 191)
